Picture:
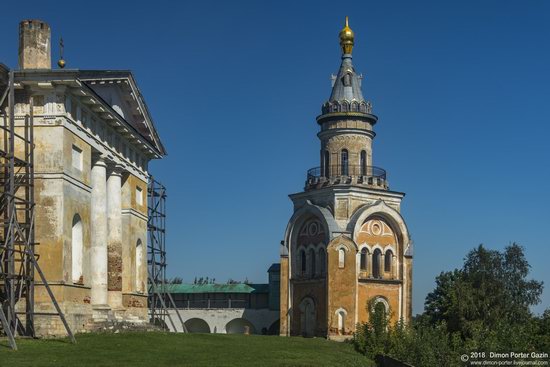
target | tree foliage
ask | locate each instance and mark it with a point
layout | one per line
(202, 280)
(175, 280)
(483, 306)
(489, 292)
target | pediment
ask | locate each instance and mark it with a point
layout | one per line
(119, 90)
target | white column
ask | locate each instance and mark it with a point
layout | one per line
(99, 232)
(394, 267)
(369, 264)
(114, 237)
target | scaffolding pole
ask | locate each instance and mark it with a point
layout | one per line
(159, 300)
(18, 261)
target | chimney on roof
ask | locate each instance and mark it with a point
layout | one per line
(34, 45)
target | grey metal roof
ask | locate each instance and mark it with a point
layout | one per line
(347, 84)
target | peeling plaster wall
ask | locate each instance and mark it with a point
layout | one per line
(134, 228)
(62, 190)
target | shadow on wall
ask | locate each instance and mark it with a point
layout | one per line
(240, 326)
(266, 322)
(274, 329)
(197, 325)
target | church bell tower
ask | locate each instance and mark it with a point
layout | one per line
(346, 245)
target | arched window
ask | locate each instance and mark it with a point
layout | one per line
(140, 286)
(77, 249)
(380, 309)
(363, 163)
(322, 261)
(311, 262)
(388, 260)
(377, 254)
(363, 259)
(341, 258)
(326, 164)
(344, 162)
(303, 263)
(341, 322)
(347, 80)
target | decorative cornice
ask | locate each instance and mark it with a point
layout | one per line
(132, 211)
(380, 281)
(370, 118)
(62, 176)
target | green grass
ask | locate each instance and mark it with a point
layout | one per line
(166, 349)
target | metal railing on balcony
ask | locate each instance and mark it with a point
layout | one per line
(212, 303)
(349, 170)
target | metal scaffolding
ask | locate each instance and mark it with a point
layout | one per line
(159, 299)
(18, 261)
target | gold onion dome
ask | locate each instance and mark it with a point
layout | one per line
(346, 38)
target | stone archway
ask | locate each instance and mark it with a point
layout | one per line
(239, 326)
(307, 317)
(196, 325)
(341, 315)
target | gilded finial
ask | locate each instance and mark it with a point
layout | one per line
(346, 38)
(61, 62)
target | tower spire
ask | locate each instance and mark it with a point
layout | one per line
(346, 93)
(347, 38)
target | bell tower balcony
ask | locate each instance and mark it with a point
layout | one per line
(365, 176)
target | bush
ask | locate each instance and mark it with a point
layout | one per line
(484, 306)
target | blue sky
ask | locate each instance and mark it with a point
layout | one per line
(461, 88)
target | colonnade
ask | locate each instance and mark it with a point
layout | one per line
(106, 229)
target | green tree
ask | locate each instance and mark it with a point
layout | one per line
(484, 306)
(372, 337)
(490, 293)
(175, 280)
(542, 341)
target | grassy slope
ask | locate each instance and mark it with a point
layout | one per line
(163, 349)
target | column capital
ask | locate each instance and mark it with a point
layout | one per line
(99, 159)
(116, 169)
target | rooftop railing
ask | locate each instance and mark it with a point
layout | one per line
(346, 174)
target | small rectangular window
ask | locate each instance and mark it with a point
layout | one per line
(77, 158)
(139, 195)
